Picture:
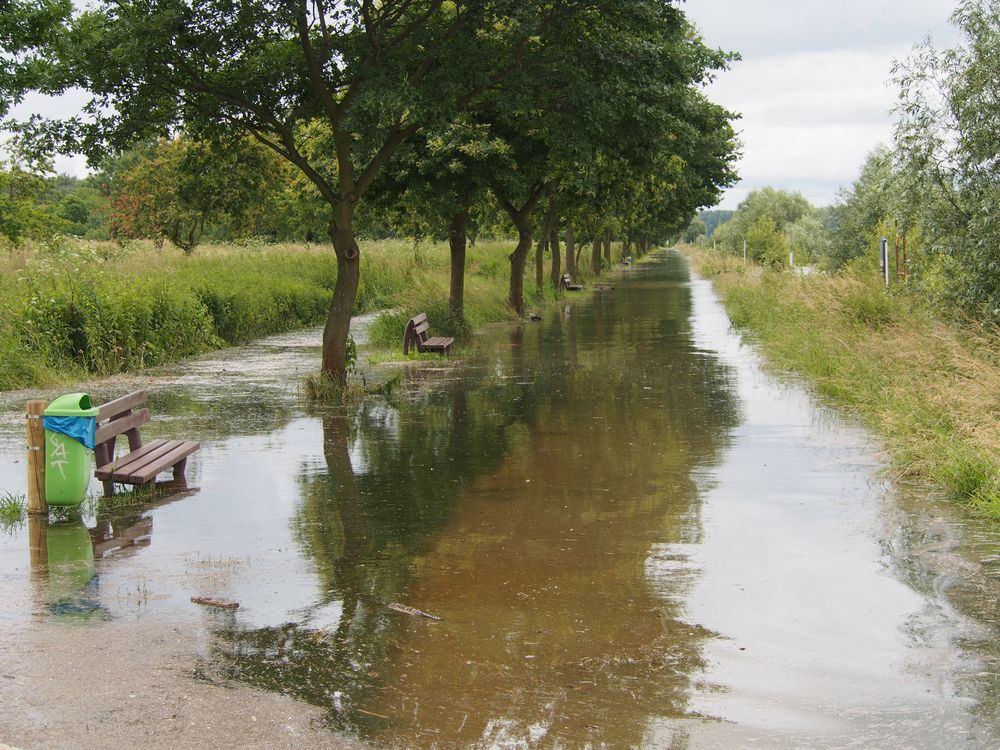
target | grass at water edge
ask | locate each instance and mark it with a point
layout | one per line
(930, 388)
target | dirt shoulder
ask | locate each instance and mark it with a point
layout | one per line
(130, 685)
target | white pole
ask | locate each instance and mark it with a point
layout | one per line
(744, 251)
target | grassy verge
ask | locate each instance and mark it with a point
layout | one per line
(931, 389)
(71, 308)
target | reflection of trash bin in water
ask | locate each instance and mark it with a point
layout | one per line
(71, 572)
(70, 424)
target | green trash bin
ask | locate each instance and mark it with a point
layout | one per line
(70, 424)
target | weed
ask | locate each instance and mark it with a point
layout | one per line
(12, 511)
(326, 390)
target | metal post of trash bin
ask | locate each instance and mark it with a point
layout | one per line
(36, 458)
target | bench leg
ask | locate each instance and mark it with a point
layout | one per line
(179, 468)
(109, 488)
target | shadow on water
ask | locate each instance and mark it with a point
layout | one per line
(521, 499)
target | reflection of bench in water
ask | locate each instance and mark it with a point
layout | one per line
(415, 334)
(143, 462)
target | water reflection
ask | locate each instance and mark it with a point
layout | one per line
(931, 546)
(540, 500)
(62, 567)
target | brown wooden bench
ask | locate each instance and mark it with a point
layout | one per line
(566, 284)
(416, 335)
(142, 463)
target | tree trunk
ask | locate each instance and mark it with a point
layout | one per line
(522, 220)
(627, 246)
(607, 246)
(543, 243)
(556, 260)
(595, 256)
(540, 246)
(570, 249)
(457, 241)
(345, 292)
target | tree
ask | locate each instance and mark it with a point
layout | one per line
(21, 211)
(697, 231)
(182, 184)
(435, 184)
(858, 210)
(947, 151)
(780, 207)
(618, 99)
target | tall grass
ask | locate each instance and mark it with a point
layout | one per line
(932, 389)
(69, 307)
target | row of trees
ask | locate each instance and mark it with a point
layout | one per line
(937, 185)
(583, 113)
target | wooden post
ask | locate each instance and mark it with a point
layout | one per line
(36, 458)
(38, 548)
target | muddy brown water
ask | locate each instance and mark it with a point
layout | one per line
(633, 533)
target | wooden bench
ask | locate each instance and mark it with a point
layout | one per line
(142, 463)
(416, 335)
(566, 284)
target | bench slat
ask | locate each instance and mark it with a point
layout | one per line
(116, 407)
(418, 319)
(117, 426)
(153, 463)
(108, 470)
(438, 343)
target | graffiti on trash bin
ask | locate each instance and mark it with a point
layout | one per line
(57, 454)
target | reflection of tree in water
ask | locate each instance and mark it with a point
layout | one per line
(393, 476)
(521, 501)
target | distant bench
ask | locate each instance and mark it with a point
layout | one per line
(415, 334)
(143, 462)
(566, 284)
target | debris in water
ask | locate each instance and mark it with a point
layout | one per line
(208, 601)
(411, 611)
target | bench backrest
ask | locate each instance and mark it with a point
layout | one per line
(118, 418)
(416, 331)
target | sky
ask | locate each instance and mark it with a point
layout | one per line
(813, 86)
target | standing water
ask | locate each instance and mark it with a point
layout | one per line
(631, 533)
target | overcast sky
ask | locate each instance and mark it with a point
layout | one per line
(813, 85)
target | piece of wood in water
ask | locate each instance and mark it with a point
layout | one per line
(412, 611)
(209, 601)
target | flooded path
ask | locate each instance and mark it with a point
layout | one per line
(634, 536)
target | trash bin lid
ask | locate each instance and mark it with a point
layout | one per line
(72, 405)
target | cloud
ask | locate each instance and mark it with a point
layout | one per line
(771, 27)
(813, 86)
